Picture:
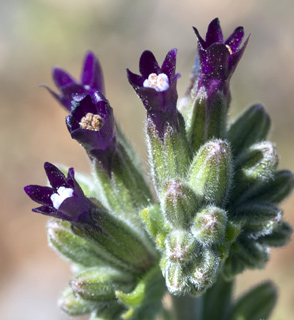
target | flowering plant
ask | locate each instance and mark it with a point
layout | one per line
(214, 209)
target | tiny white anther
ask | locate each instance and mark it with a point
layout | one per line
(62, 194)
(157, 82)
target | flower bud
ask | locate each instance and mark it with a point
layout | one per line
(210, 173)
(181, 247)
(176, 279)
(209, 225)
(254, 168)
(204, 271)
(99, 284)
(179, 203)
(73, 305)
(249, 128)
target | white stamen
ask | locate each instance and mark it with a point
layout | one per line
(62, 194)
(157, 82)
(87, 87)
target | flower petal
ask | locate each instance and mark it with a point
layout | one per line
(201, 41)
(169, 64)
(61, 78)
(39, 194)
(55, 176)
(235, 57)
(214, 33)
(134, 79)
(148, 64)
(235, 39)
(92, 73)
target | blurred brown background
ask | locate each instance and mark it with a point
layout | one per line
(38, 34)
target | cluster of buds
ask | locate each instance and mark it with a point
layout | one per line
(212, 211)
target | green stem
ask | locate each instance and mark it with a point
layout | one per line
(214, 304)
(187, 308)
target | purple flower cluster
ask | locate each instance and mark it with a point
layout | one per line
(91, 121)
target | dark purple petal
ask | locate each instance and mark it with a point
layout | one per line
(217, 60)
(39, 194)
(92, 73)
(49, 211)
(214, 33)
(148, 64)
(61, 78)
(55, 176)
(73, 208)
(201, 41)
(91, 81)
(235, 39)
(134, 79)
(169, 64)
(235, 57)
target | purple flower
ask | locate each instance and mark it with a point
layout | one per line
(156, 87)
(91, 123)
(218, 57)
(91, 81)
(64, 199)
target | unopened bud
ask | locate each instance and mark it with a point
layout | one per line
(209, 225)
(99, 284)
(204, 272)
(181, 246)
(175, 278)
(179, 203)
(73, 305)
(210, 174)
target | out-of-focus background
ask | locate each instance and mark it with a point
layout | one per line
(38, 34)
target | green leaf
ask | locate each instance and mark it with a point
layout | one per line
(250, 127)
(256, 304)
